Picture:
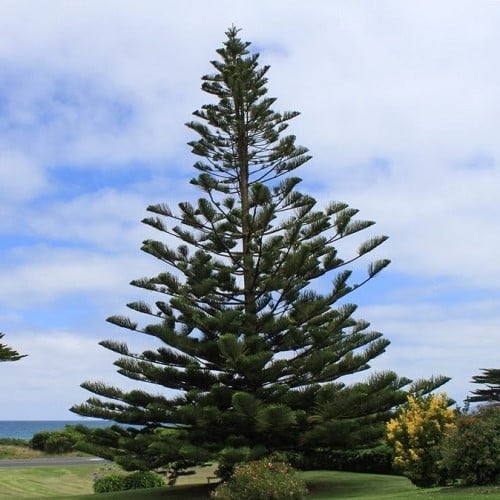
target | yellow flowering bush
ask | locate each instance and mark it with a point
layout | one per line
(415, 434)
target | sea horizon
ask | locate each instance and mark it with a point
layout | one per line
(26, 429)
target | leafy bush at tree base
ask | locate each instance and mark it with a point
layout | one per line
(143, 479)
(264, 479)
(120, 482)
(109, 483)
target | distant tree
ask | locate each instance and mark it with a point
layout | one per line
(471, 451)
(9, 354)
(252, 354)
(490, 394)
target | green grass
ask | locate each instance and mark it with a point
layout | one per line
(75, 483)
(48, 482)
(331, 484)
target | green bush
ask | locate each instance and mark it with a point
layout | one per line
(58, 442)
(55, 441)
(37, 442)
(109, 483)
(471, 453)
(264, 479)
(143, 479)
(120, 482)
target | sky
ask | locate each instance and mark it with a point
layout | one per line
(400, 108)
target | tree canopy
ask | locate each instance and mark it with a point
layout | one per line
(7, 353)
(491, 393)
(252, 313)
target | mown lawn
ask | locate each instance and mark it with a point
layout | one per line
(48, 482)
(75, 482)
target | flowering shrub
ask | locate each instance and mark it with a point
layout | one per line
(262, 480)
(415, 435)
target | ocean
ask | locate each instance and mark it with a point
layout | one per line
(25, 429)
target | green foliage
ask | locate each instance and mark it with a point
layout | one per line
(415, 435)
(9, 354)
(471, 452)
(143, 479)
(165, 450)
(37, 442)
(59, 442)
(62, 441)
(7, 441)
(266, 479)
(252, 356)
(230, 456)
(109, 483)
(377, 460)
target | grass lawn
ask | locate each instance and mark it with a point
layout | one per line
(76, 483)
(331, 484)
(49, 482)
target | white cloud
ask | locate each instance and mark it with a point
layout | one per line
(47, 381)
(48, 274)
(20, 177)
(430, 338)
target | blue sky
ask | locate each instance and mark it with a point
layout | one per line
(400, 108)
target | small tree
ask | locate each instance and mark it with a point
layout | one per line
(471, 451)
(8, 354)
(252, 353)
(415, 434)
(491, 394)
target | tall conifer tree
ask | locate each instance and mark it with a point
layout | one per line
(253, 352)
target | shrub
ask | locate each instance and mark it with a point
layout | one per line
(415, 435)
(55, 441)
(471, 451)
(58, 442)
(264, 479)
(120, 482)
(143, 479)
(37, 442)
(109, 483)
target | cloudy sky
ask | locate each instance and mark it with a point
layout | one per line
(400, 107)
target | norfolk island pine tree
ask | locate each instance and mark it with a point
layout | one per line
(253, 355)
